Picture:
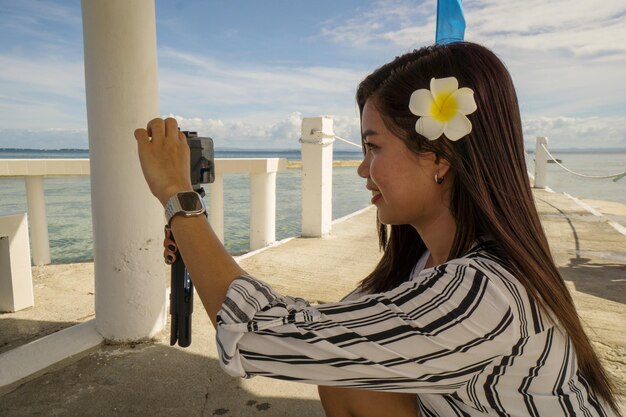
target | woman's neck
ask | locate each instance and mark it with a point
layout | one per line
(438, 236)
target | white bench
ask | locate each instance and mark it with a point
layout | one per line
(16, 279)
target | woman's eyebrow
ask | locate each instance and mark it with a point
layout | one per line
(368, 132)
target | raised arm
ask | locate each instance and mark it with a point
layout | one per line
(164, 158)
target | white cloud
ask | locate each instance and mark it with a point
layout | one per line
(570, 132)
(563, 132)
(36, 11)
(49, 74)
(236, 133)
(207, 87)
(44, 138)
(41, 91)
(243, 103)
(566, 58)
(396, 21)
(283, 133)
(584, 28)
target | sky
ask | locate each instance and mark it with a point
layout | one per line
(246, 72)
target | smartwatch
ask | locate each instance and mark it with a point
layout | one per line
(185, 203)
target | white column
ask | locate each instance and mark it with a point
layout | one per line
(317, 176)
(262, 209)
(122, 94)
(37, 219)
(541, 162)
(216, 196)
(16, 280)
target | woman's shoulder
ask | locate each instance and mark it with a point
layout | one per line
(487, 259)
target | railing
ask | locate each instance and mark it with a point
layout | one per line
(262, 200)
(262, 196)
(543, 155)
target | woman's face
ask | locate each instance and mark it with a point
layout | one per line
(402, 182)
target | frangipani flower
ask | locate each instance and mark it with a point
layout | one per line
(442, 109)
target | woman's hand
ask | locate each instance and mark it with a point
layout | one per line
(164, 158)
(169, 247)
(165, 165)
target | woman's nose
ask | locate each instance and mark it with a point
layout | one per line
(364, 168)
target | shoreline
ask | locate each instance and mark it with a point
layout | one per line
(297, 163)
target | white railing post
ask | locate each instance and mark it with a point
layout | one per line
(122, 90)
(16, 280)
(262, 196)
(216, 196)
(262, 209)
(541, 162)
(37, 218)
(317, 175)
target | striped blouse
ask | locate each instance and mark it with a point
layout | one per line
(464, 336)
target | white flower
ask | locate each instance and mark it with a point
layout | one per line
(442, 109)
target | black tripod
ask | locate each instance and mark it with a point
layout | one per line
(181, 295)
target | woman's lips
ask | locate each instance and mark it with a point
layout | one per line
(376, 197)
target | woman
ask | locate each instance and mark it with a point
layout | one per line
(465, 314)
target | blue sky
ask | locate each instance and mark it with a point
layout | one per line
(246, 72)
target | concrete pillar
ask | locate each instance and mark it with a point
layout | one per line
(262, 209)
(216, 195)
(37, 217)
(317, 175)
(541, 162)
(16, 280)
(122, 94)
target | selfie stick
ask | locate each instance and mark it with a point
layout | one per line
(181, 295)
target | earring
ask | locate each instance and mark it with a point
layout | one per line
(437, 179)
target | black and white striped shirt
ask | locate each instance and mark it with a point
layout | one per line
(464, 336)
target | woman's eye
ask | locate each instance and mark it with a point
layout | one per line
(370, 146)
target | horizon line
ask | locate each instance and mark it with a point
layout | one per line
(232, 149)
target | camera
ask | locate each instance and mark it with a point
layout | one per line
(202, 159)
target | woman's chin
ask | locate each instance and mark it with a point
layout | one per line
(385, 219)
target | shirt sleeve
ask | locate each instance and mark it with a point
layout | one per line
(432, 334)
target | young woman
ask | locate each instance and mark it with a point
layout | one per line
(465, 314)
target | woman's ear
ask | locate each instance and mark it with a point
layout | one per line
(443, 167)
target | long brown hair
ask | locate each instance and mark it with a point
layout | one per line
(491, 194)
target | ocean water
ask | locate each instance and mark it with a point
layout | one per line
(68, 199)
(591, 163)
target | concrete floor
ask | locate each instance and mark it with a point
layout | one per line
(154, 379)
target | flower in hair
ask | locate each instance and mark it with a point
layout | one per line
(443, 109)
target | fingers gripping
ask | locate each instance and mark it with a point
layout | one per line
(171, 128)
(169, 245)
(156, 128)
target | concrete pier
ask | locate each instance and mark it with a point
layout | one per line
(154, 379)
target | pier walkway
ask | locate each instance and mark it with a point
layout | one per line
(154, 379)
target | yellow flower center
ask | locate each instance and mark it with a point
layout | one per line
(444, 107)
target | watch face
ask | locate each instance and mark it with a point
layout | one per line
(190, 201)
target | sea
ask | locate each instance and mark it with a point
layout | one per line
(68, 199)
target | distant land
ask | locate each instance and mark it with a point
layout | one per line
(220, 149)
(290, 154)
(285, 150)
(42, 150)
(582, 150)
